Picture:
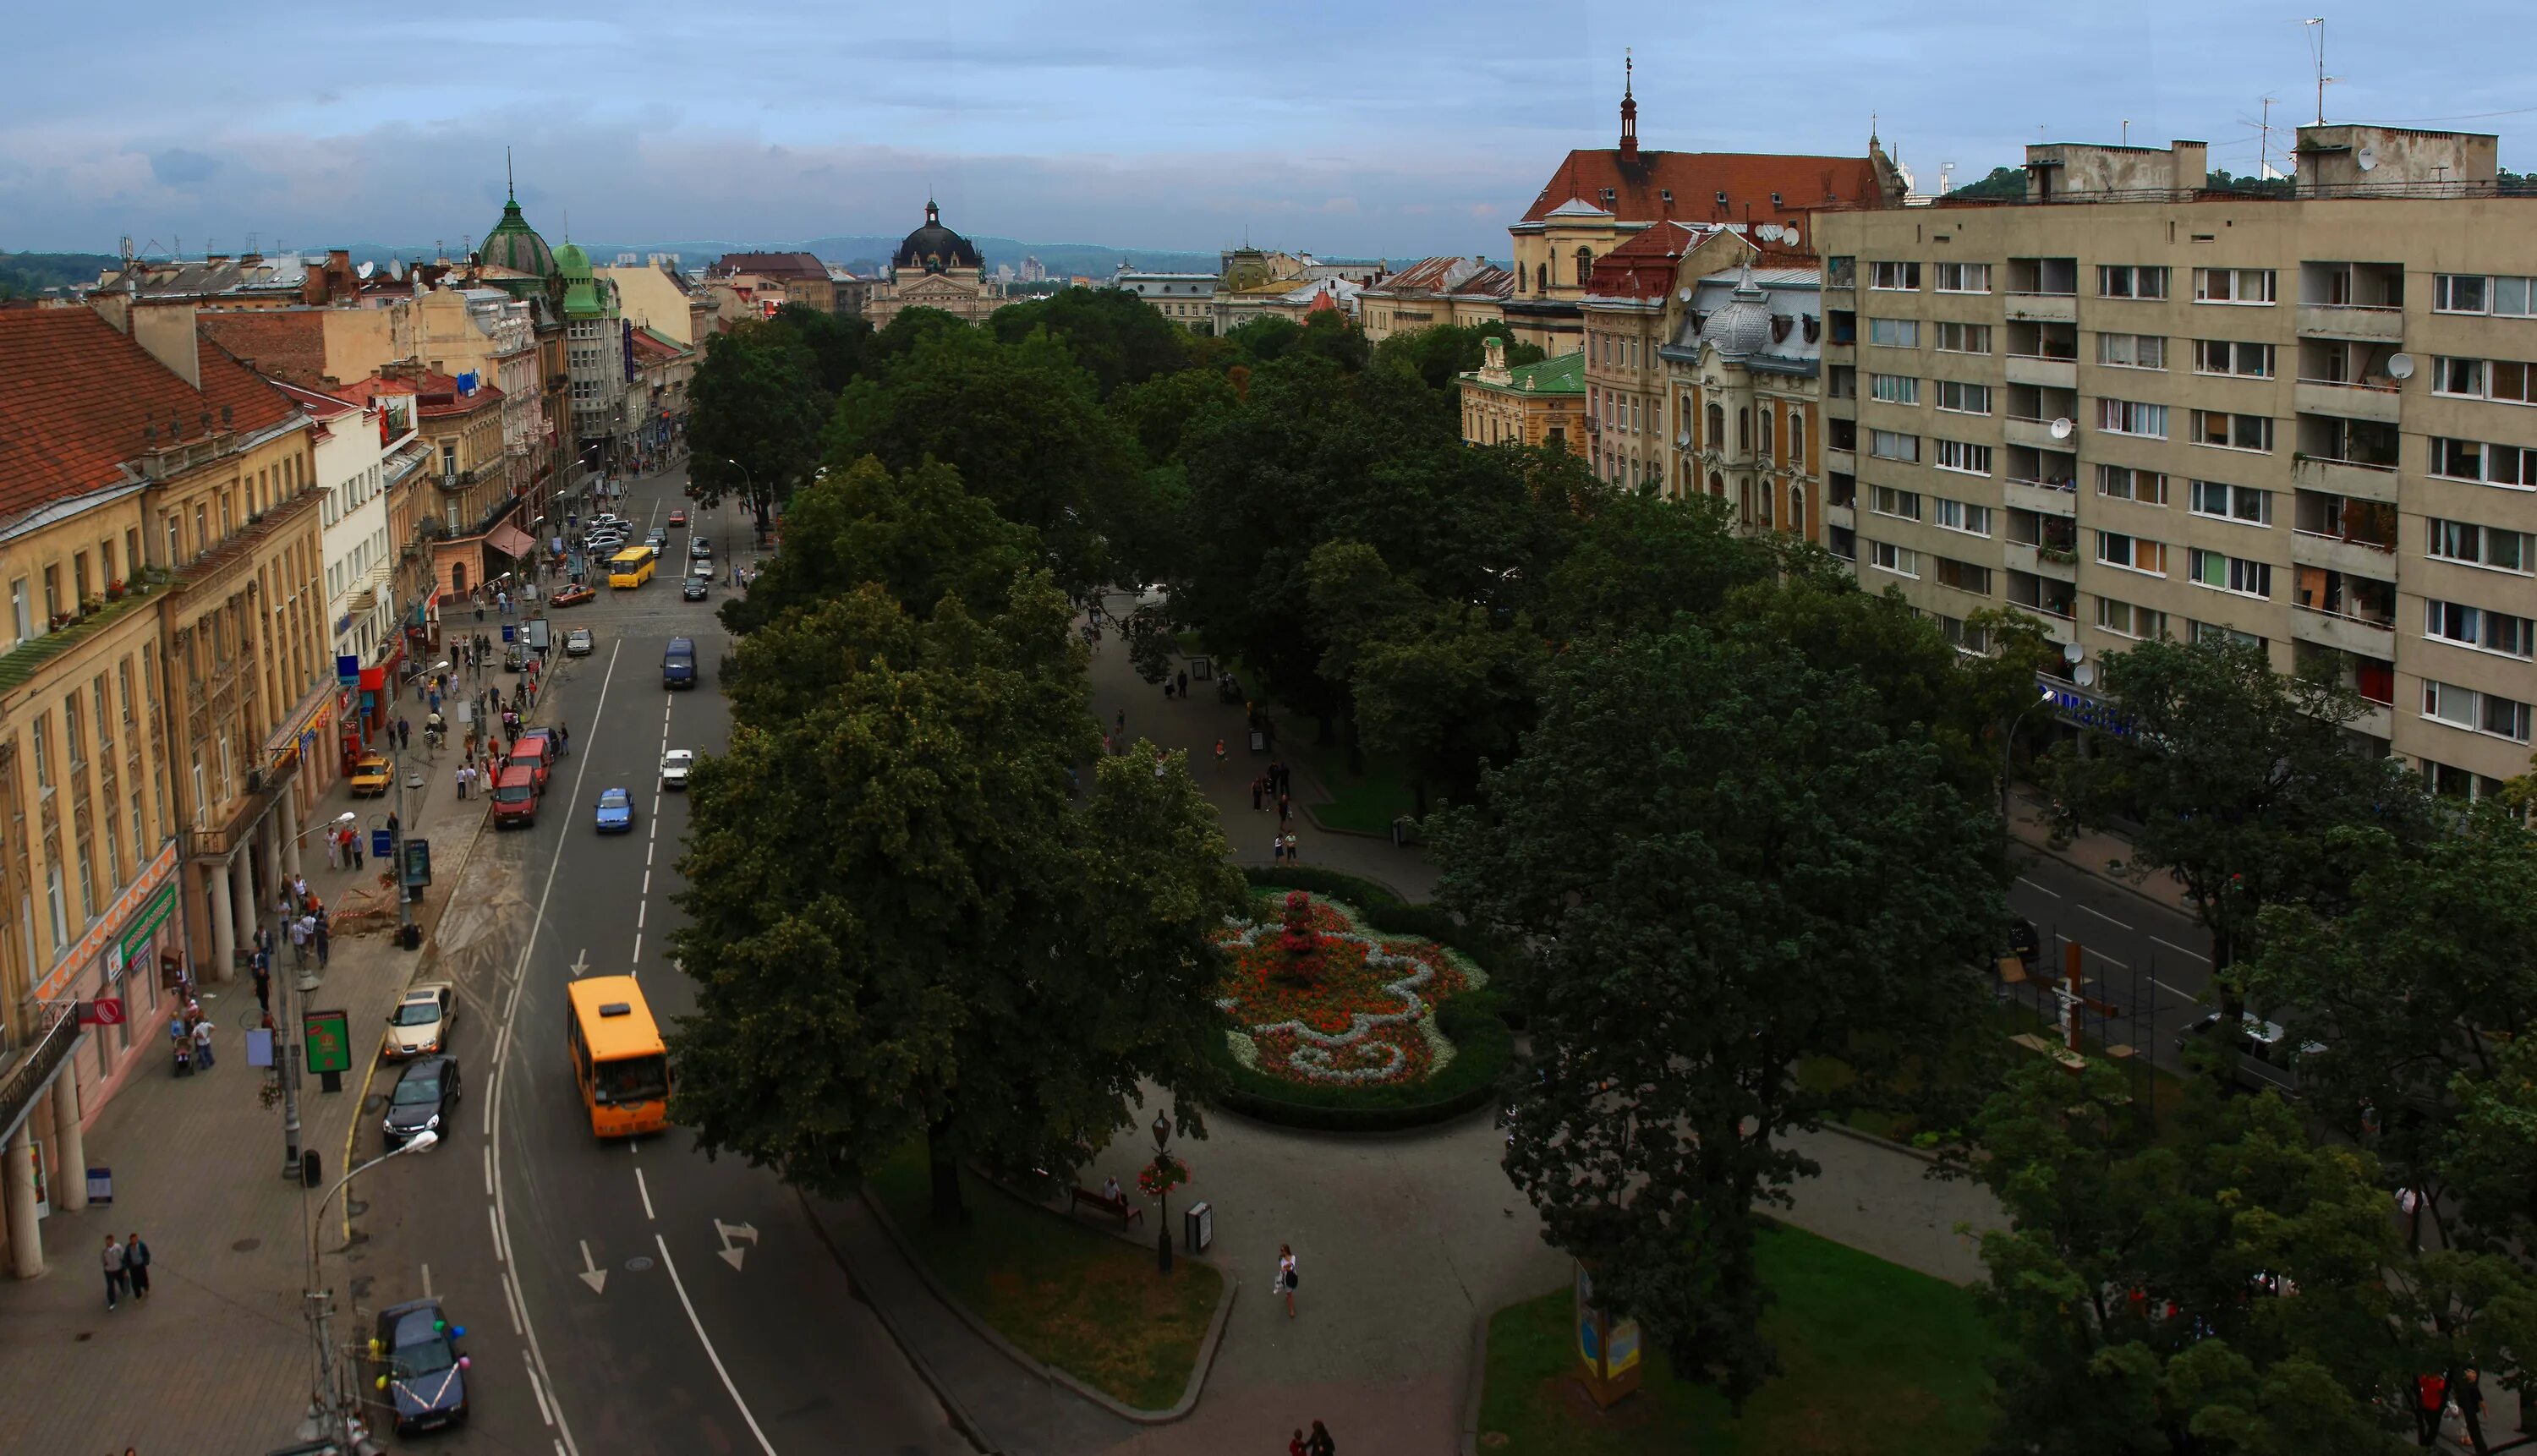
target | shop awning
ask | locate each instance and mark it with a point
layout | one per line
(511, 542)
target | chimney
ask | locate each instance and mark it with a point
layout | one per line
(2192, 163)
(167, 330)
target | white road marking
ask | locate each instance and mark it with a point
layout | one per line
(489, 1170)
(645, 1190)
(2172, 992)
(2180, 950)
(2101, 915)
(544, 1409)
(511, 1297)
(647, 881)
(591, 1274)
(763, 1444)
(426, 1280)
(647, 847)
(638, 948)
(494, 1221)
(2032, 885)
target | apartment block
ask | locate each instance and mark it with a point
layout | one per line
(2136, 407)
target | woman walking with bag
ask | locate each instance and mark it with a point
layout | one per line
(1286, 1276)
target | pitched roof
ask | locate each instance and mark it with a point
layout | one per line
(802, 266)
(78, 399)
(1696, 179)
(1643, 266)
(1491, 281)
(1560, 374)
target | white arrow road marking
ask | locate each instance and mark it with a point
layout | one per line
(729, 1231)
(591, 1274)
(580, 966)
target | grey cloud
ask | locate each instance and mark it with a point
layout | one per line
(178, 167)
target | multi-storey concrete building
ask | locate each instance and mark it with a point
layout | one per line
(2137, 407)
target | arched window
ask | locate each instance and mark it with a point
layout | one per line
(1796, 437)
(1797, 509)
(1743, 429)
(1767, 413)
(1717, 486)
(457, 578)
(1585, 264)
(1716, 427)
(1542, 277)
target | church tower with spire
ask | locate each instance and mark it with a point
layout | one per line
(1629, 111)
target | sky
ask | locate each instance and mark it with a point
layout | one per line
(1348, 130)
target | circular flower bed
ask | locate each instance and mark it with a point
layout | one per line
(1317, 998)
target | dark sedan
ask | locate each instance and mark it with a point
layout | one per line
(420, 1370)
(425, 1097)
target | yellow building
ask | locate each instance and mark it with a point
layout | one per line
(1540, 404)
(1432, 293)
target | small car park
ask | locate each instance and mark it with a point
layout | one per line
(420, 1023)
(675, 766)
(425, 1100)
(616, 814)
(579, 643)
(370, 777)
(420, 1370)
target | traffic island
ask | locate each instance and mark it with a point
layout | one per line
(1090, 1307)
(1876, 1360)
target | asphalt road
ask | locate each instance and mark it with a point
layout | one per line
(633, 1296)
(2147, 968)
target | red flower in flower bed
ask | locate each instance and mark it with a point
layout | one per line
(1357, 1017)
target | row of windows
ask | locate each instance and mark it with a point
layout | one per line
(2501, 295)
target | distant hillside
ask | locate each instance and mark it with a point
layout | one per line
(31, 274)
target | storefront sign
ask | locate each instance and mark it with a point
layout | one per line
(2084, 710)
(136, 940)
(347, 667)
(329, 1042)
(72, 962)
(103, 1011)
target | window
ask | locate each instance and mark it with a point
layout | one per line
(2480, 545)
(1894, 333)
(1964, 277)
(2227, 431)
(1960, 515)
(2131, 553)
(1963, 337)
(2480, 712)
(2132, 351)
(1894, 389)
(2232, 286)
(42, 741)
(1885, 500)
(1585, 263)
(2129, 417)
(2473, 626)
(2507, 380)
(1841, 541)
(1716, 427)
(2491, 464)
(1887, 557)
(2126, 620)
(2122, 482)
(2233, 502)
(1962, 636)
(1886, 445)
(1964, 398)
(2230, 573)
(1901, 277)
(1963, 576)
(1958, 455)
(2130, 281)
(2468, 292)
(1797, 437)
(2229, 356)
(1841, 273)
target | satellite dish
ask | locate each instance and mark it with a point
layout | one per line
(2400, 366)
(1683, 295)
(2072, 652)
(1768, 232)
(2061, 429)
(365, 269)
(2085, 675)
(2368, 157)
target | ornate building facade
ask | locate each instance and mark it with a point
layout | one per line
(935, 267)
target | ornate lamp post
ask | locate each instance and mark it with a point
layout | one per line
(1158, 1178)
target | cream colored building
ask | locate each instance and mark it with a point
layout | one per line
(1435, 293)
(935, 268)
(654, 295)
(1745, 388)
(1537, 403)
(2134, 407)
(1185, 298)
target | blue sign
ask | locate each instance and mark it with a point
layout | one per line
(381, 845)
(2084, 711)
(509, 632)
(348, 668)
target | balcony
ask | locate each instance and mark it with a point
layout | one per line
(2376, 403)
(23, 660)
(2037, 434)
(2357, 322)
(31, 1071)
(2353, 612)
(2041, 497)
(2361, 481)
(227, 568)
(2342, 554)
(2054, 563)
(1845, 461)
(2042, 308)
(2045, 371)
(2047, 597)
(2357, 635)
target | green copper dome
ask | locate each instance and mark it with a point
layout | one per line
(581, 295)
(515, 245)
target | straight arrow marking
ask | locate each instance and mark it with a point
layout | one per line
(591, 1274)
(729, 1231)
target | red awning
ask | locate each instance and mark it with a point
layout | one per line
(511, 542)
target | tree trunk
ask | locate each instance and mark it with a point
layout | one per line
(1355, 749)
(948, 1211)
(1418, 797)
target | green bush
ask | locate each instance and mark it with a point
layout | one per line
(1356, 890)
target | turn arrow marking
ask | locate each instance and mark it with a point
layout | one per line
(729, 1231)
(591, 1274)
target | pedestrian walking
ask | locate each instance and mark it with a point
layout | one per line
(203, 1044)
(1286, 1280)
(1259, 787)
(353, 841)
(263, 986)
(1219, 753)
(135, 1268)
(299, 943)
(320, 940)
(1276, 848)
(1296, 1443)
(300, 887)
(1294, 850)
(461, 777)
(1123, 723)
(113, 1271)
(1320, 1442)
(1183, 684)
(334, 849)
(1285, 807)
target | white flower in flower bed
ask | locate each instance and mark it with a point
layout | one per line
(1319, 1055)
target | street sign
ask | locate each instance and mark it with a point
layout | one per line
(348, 669)
(383, 844)
(329, 1042)
(511, 633)
(103, 1011)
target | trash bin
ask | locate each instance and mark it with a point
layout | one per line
(1197, 1227)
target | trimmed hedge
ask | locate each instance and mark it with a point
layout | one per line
(1474, 1021)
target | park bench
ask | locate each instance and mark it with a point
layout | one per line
(1117, 1208)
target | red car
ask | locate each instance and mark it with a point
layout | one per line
(678, 518)
(573, 595)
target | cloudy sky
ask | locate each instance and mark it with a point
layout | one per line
(1348, 129)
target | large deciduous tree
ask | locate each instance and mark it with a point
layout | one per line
(1113, 335)
(1722, 866)
(755, 410)
(919, 534)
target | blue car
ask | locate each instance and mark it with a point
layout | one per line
(615, 812)
(422, 1373)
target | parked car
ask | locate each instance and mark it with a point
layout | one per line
(2255, 1054)
(516, 798)
(420, 1023)
(370, 777)
(578, 642)
(420, 1370)
(675, 766)
(616, 814)
(426, 1099)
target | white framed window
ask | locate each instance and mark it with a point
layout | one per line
(2232, 286)
(1902, 505)
(2223, 632)
(1894, 277)
(2226, 431)
(1961, 454)
(2132, 417)
(1964, 277)
(2471, 544)
(2131, 280)
(2472, 293)
(2504, 381)
(2225, 573)
(2126, 620)
(1889, 445)
(1959, 515)
(1894, 389)
(2477, 712)
(2132, 351)
(1962, 337)
(1959, 398)
(1900, 560)
(2476, 627)
(1894, 333)
(2122, 482)
(2232, 357)
(2241, 503)
(2489, 465)
(2131, 553)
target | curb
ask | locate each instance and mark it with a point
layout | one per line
(1475, 1384)
(1208, 1344)
(2098, 873)
(1873, 1141)
(959, 1413)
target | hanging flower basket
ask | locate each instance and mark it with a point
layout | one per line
(1162, 1175)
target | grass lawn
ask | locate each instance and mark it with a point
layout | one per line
(1090, 1305)
(1365, 803)
(1878, 1361)
(2166, 1090)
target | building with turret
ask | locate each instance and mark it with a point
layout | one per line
(935, 268)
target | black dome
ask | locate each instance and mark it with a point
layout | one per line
(936, 248)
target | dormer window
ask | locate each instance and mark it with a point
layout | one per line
(1814, 328)
(1722, 197)
(1666, 195)
(1775, 199)
(1611, 198)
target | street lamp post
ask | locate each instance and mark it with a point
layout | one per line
(757, 521)
(336, 1415)
(405, 938)
(2008, 746)
(286, 1058)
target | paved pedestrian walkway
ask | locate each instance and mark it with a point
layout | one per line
(218, 1359)
(2109, 856)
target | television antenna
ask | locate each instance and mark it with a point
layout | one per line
(2317, 47)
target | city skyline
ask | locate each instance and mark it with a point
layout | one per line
(1406, 133)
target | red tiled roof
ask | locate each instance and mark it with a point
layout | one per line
(1643, 266)
(77, 396)
(1697, 177)
(364, 390)
(318, 403)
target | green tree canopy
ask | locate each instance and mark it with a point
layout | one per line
(1114, 336)
(1437, 354)
(917, 534)
(840, 342)
(754, 409)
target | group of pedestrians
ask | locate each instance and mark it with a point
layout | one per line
(189, 1035)
(305, 916)
(344, 847)
(127, 1268)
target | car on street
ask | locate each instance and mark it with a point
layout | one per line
(420, 1370)
(616, 811)
(425, 1098)
(674, 764)
(516, 798)
(573, 595)
(701, 548)
(578, 642)
(678, 518)
(696, 589)
(370, 777)
(420, 1023)
(657, 538)
(2255, 1054)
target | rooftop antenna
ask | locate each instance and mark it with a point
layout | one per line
(2127, 131)
(2316, 45)
(2264, 148)
(250, 241)
(510, 186)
